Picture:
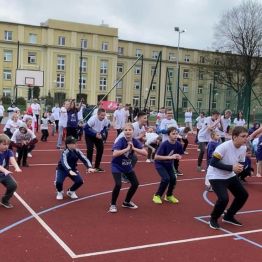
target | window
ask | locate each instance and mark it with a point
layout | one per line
(216, 76)
(103, 67)
(168, 88)
(31, 58)
(202, 59)
(171, 72)
(171, 57)
(169, 102)
(120, 84)
(120, 68)
(84, 65)
(214, 105)
(153, 88)
(152, 101)
(8, 36)
(60, 80)
(155, 54)
(105, 46)
(185, 88)
(138, 52)
(227, 104)
(137, 85)
(32, 38)
(103, 83)
(6, 92)
(135, 101)
(199, 103)
(8, 56)
(84, 43)
(7, 74)
(153, 70)
(201, 75)
(184, 102)
(228, 92)
(61, 63)
(120, 50)
(186, 73)
(200, 90)
(216, 61)
(119, 99)
(61, 40)
(187, 58)
(83, 82)
(137, 70)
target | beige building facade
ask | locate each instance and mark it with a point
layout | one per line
(60, 49)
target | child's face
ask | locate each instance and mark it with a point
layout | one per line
(128, 132)
(216, 137)
(173, 135)
(71, 146)
(22, 130)
(143, 120)
(169, 115)
(4, 146)
(249, 153)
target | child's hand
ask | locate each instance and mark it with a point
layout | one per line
(18, 169)
(238, 168)
(72, 173)
(7, 172)
(91, 170)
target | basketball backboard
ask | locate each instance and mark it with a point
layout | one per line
(29, 77)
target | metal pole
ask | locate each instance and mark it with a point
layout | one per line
(178, 75)
(159, 82)
(80, 72)
(141, 83)
(210, 95)
(17, 66)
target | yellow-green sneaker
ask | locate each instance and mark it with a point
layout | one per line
(171, 199)
(157, 199)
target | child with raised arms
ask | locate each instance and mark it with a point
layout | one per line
(67, 167)
(167, 152)
(123, 150)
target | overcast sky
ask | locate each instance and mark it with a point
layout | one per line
(150, 21)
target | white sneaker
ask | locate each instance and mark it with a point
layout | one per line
(16, 154)
(72, 194)
(112, 209)
(60, 195)
(185, 152)
(198, 150)
(148, 161)
(29, 155)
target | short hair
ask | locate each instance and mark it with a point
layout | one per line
(213, 133)
(238, 130)
(228, 111)
(100, 110)
(215, 112)
(4, 138)
(129, 125)
(141, 113)
(171, 129)
(187, 129)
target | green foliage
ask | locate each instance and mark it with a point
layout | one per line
(21, 103)
(49, 102)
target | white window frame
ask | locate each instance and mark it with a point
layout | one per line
(187, 58)
(200, 90)
(138, 52)
(185, 88)
(61, 63)
(102, 83)
(186, 73)
(155, 54)
(7, 74)
(84, 43)
(120, 84)
(152, 101)
(120, 68)
(61, 40)
(171, 72)
(171, 57)
(169, 102)
(84, 65)
(137, 70)
(135, 101)
(137, 85)
(83, 81)
(199, 103)
(8, 55)
(8, 35)
(7, 92)
(60, 80)
(31, 59)
(201, 75)
(152, 70)
(105, 46)
(32, 39)
(120, 50)
(153, 88)
(184, 102)
(202, 60)
(103, 67)
(119, 99)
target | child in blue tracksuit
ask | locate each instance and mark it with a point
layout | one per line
(67, 168)
(123, 150)
(168, 151)
(247, 170)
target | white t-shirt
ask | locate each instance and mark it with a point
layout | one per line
(225, 123)
(36, 108)
(96, 124)
(229, 155)
(12, 125)
(151, 138)
(119, 118)
(204, 134)
(56, 112)
(200, 121)
(188, 117)
(165, 124)
(2, 110)
(63, 117)
(240, 122)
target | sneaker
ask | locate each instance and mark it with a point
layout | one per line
(29, 155)
(60, 195)
(209, 189)
(72, 194)
(231, 220)
(213, 223)
(179, 173)
(100, 170)
(148, 161)
(6, 204)
(198, 150)
(129, 205)
(186, 153)
(112, 209)
(157, 199)
(16, 154)
(124, 179)
(200, 169)
(171, 199)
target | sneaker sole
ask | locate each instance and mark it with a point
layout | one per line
(216, 228)
(8, 207)
(232, 223)
(130, 207)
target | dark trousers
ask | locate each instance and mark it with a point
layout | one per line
(45, 134)
(98, 143)
(150, 154)
(118, 184)
(56, 125)
(168, 181)
(10, 184)
(220, 187)
(62, 175)
(22, 154)
(37, 122)
(118, 131)
(71, 131)
(185, 141)
(202, 147)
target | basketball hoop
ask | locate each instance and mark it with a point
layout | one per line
(30, 86)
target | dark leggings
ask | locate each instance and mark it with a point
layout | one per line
(118, 184)
(10, 184)
(202, 147)
(220, 187)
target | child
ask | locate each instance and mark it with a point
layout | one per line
(226, 162)
(168, 151)
(23, 139)
(6, 179)
(44, 127)
(152, 142)
(182, 134)
(211, 146)
(67, 168)
(259, 157)
(247, 170)
(29, 124)
(123, 150)
(80, 130)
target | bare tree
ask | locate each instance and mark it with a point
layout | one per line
(239, 36)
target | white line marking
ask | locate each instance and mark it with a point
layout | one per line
(46, 227)
(168, 243)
